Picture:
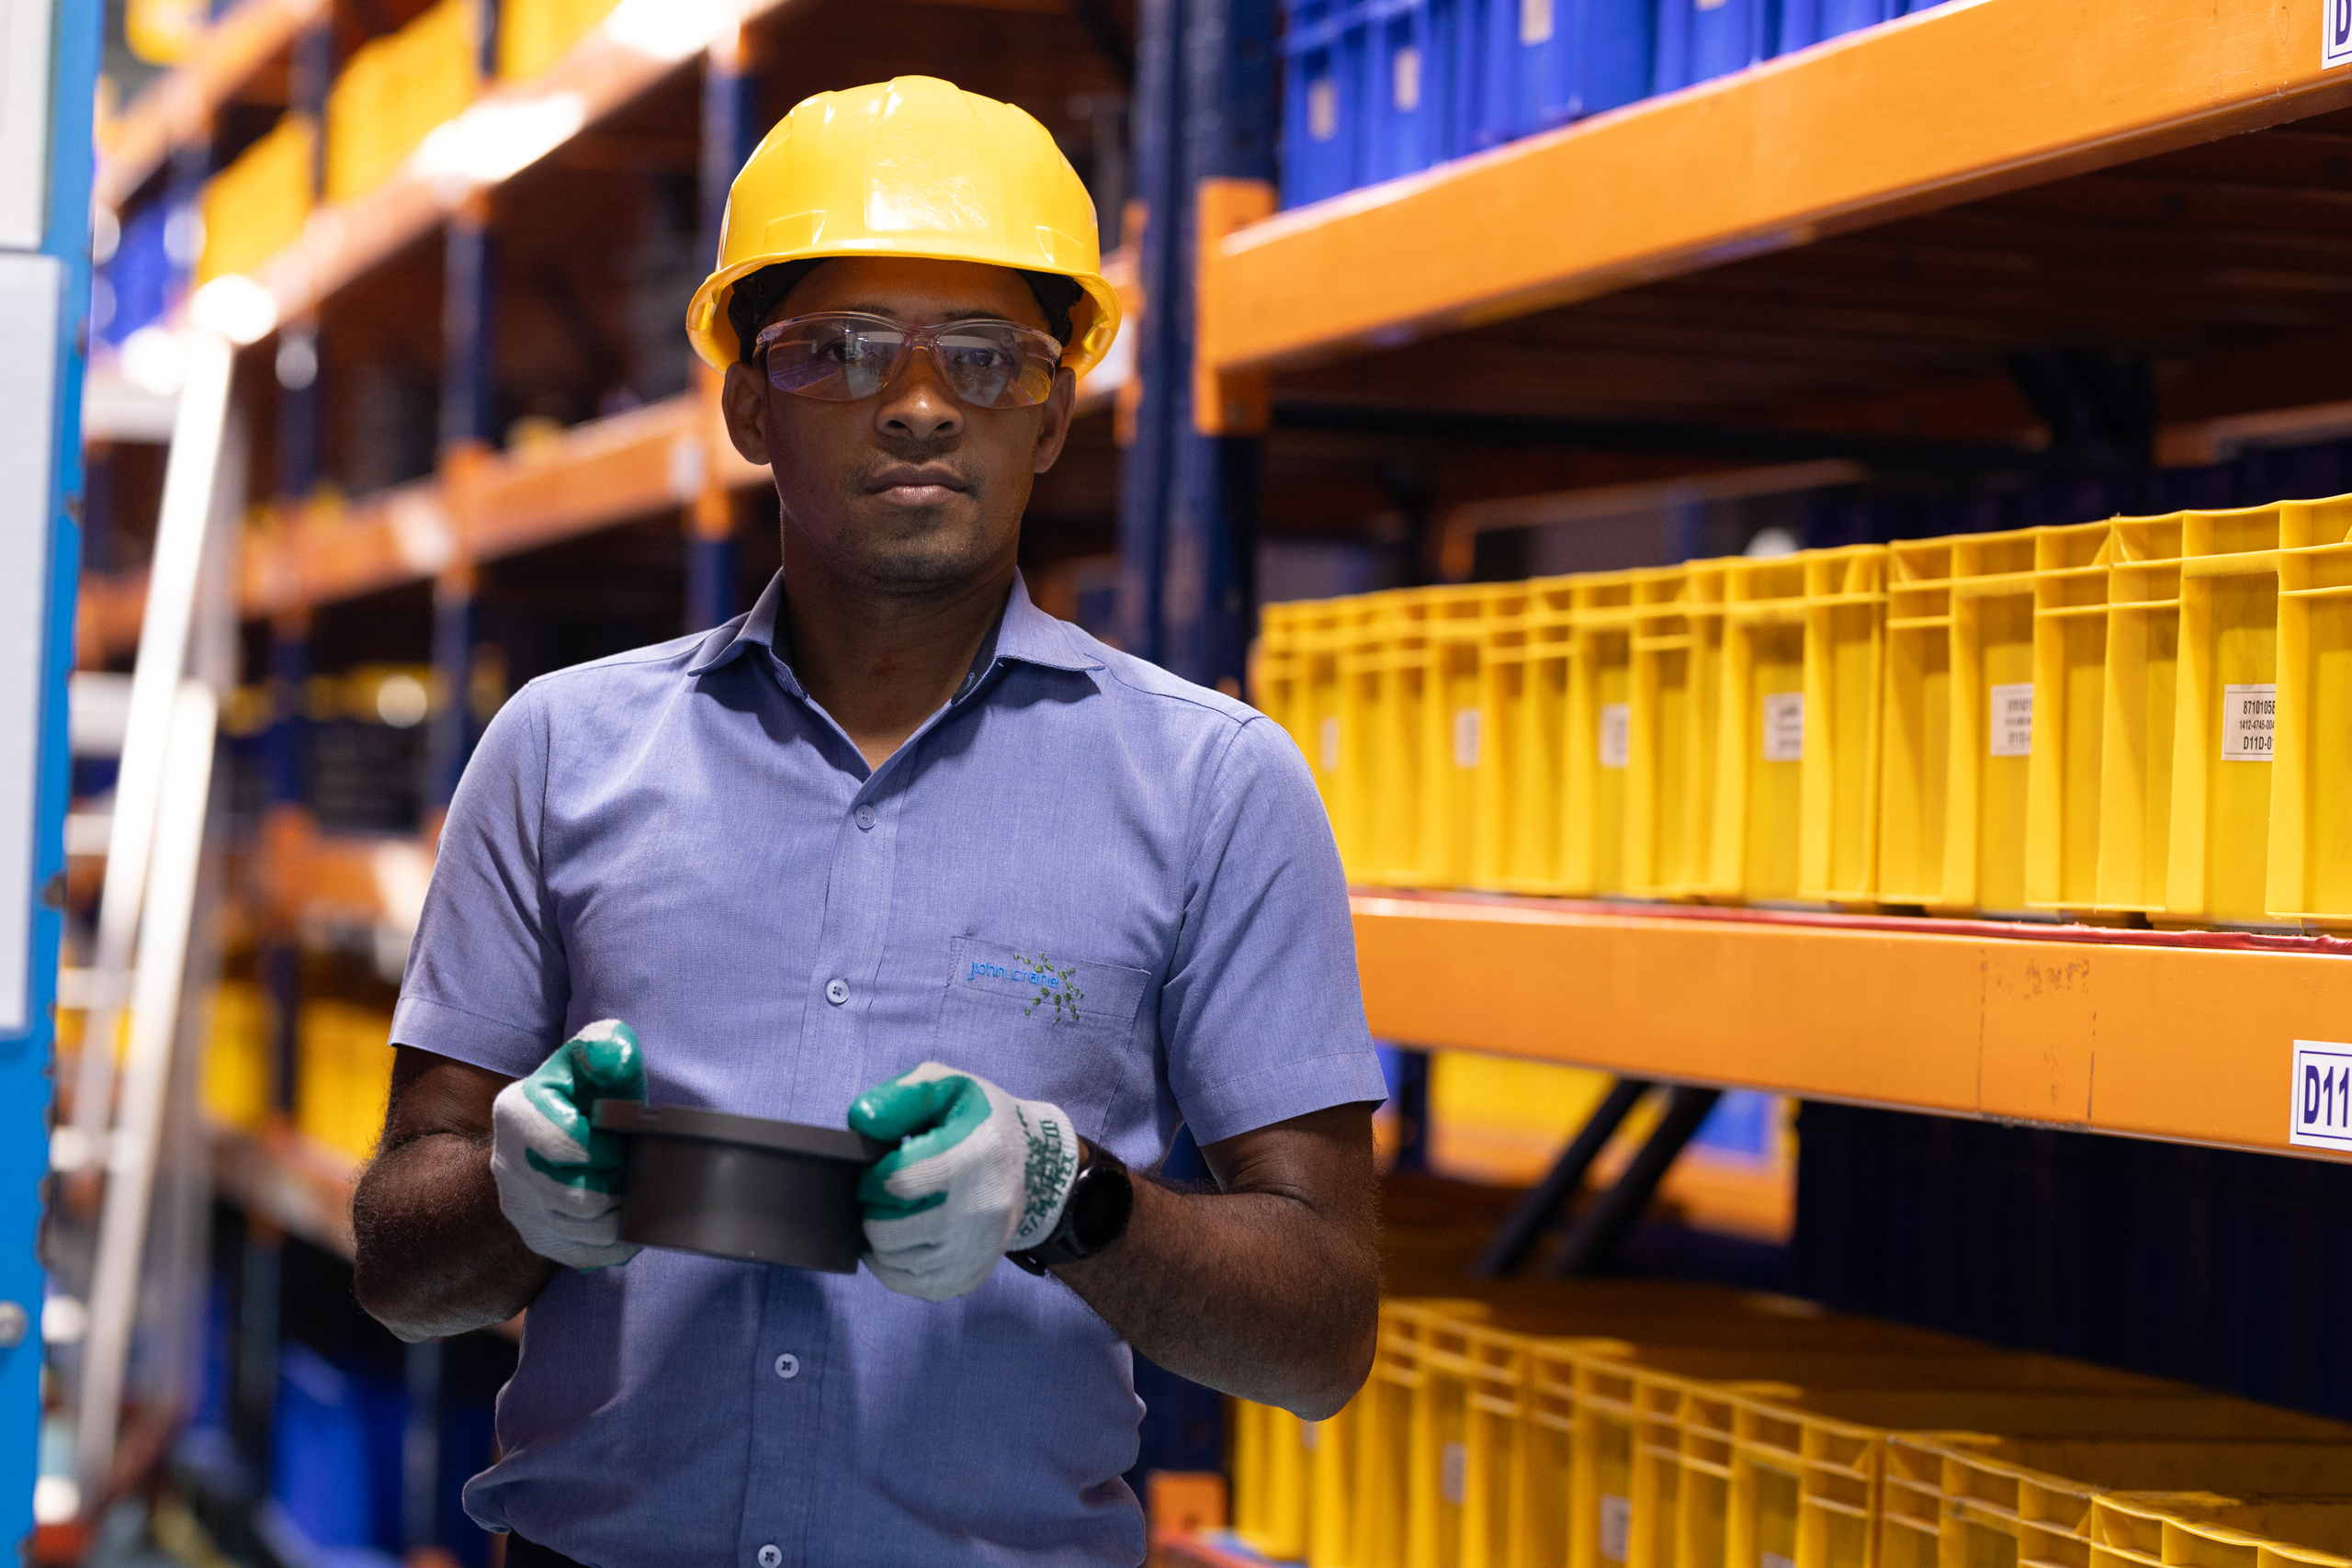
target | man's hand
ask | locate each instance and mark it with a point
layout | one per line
(558, 1178)
(978, 1174)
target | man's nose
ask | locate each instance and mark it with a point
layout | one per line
(917, 405)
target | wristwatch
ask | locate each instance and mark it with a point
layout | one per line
(1102, 1196)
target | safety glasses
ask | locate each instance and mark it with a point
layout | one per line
(842, 355)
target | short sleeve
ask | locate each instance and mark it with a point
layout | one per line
(487, 982)
(1261, 1014)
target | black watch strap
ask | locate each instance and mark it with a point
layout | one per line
(1102, 1196)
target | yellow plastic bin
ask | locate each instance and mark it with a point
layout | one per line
(2139, 706)
(1951, 1502)
(1995, 659)
(394, 91)
(256, 206)
(2309, 876)
(1797, 811)
(2220, 1532)
(1411, 691)
(1675, 724)
(1599, 731)
(534, 34)
(1530, 653)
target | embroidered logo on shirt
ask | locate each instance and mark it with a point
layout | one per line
(1056, 985)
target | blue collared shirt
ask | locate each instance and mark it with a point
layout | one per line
(680, 837)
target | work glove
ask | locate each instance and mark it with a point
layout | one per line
(976, 1174)
(558, 1179)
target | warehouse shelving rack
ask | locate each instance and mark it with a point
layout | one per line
(1853, 258)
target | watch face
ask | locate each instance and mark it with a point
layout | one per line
(1100, 1206)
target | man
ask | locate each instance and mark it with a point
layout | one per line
(899, 847)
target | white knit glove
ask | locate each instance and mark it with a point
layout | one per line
(558, 1179)
(978, 1174)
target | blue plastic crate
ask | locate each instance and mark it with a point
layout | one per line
(1323, 74)
(141, 275)
(1806, 22)
(1529, 65)
(1698, 42)
(335, 1451)
(1408, 85)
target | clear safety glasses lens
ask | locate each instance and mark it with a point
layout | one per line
(841, 356)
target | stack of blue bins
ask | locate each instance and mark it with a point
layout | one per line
(1372, 89)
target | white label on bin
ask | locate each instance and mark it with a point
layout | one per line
(1454, 1472)
(1534, 21)
(1310, 1433)
(1465, 737)
(1405, 85)
(1774, 1559)
(1322, 108)
(2249, 719)
(1784, 727)
(1616, 735)
(2320, 1117)
(2012, 720)
(1327, 742)
(2335, 34)
(1616, 1527)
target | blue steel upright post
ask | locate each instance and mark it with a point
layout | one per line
(25, 1051)
(1189, 501)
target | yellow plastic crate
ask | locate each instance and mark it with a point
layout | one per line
(1966, 1500)
(236, 1056)
(1411, 699)
(1525, 671)
(345, 1075)
(256, 206)
(2226, 695)
(2140, 708)
(1797, 810)
(2310, 875)
(2220, 1532)
(533, 34)
(1599, 730)
(1676, 726)
(1994, 655)
(395, 91)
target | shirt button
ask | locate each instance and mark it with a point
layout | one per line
(837, 992)
(865, 819)
(787, 1366)
(771, 1555)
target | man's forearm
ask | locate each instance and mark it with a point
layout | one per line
(1251, 1293)
(436, 1256)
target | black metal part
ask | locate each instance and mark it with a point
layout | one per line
(740, 1187)
(1516, 1237)
(1880, 454)
(1593, 1243)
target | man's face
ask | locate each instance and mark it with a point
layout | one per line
(910, 489)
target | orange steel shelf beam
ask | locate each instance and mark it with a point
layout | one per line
(177, 107)
(2188, 1038)
(1951, 104)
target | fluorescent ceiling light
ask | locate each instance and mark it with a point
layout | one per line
(237, 307)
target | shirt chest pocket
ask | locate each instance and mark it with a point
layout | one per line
(1042, 1025)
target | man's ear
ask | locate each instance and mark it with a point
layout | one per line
(743, 399)
(1060, 406)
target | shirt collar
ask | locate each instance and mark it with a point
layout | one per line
(1023, 633)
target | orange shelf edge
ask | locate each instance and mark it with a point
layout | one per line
(1964, 101)
(2153, 1039)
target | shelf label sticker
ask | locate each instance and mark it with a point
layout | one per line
(1616, 1527)
(1534, 22)
(1616, 735)
(1784, 727)
(1322, 109)
(2249, 718)
(1326, 742)
(2012, 721)
(1405, 85)
(1465, 737)
(2321, 1114)
(2335, 34)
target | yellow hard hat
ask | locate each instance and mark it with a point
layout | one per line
(909, 167)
